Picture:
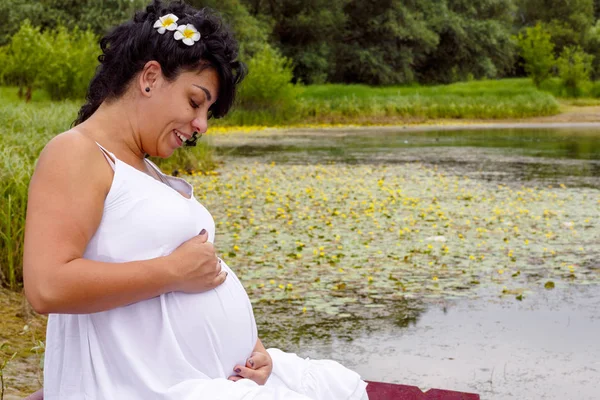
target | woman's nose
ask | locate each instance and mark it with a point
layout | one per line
(200, 124)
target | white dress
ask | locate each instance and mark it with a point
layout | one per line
(176, 346)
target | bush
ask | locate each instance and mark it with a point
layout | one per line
(70, 64)
(574, 69)
(553, 85)
(24, 58)
(268, 85)
(595, 90)
(537, 50)
(592, 47)
(59, 61)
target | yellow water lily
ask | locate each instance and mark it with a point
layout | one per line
(166, 23)
(187, 33)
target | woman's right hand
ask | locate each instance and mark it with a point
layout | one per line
(196, 266)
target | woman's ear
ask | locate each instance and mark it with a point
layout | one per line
(150, 77)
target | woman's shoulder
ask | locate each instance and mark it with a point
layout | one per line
(71, 143)
(72, 155)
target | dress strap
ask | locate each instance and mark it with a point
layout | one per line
(107, 154)
(154, 167)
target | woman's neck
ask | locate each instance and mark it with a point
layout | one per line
(112, 126)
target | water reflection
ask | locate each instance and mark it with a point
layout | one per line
(547, 156)
(281, 327)
(544, 347)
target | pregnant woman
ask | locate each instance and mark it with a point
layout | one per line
(120, 255)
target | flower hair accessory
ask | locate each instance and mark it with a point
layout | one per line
(166, 23)
(187, 33)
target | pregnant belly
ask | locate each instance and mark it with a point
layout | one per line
(216, 329)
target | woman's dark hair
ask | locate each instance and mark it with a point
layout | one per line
(129, 46)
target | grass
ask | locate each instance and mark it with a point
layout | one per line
(508, 98)
(335, 104)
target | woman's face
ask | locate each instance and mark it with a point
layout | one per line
(176, 110)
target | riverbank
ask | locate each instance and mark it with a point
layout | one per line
(570, 116)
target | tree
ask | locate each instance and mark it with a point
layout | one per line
(574, 68)
(13, 13)
(306, 31)
(23, 58)
(97, 15)
(537, 50)
(593, 48)
(474, 41)
(383, 39)
(251, 32)
(567, 21)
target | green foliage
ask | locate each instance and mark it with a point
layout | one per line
(537, 50)
(482, 99)
(97, 16)
(592, 47)
(595, 90)
(383, 40)
(574, 68)
(23, 58)
(380, 42)
(474, 41)
(60, 61)
(251, 32)
(267, 86)
(552, 85)
(362, 104)
(71, 59)
(566, 20)
(13, 14)
(306, 31)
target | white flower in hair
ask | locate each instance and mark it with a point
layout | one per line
(166, 23)
(188, 33)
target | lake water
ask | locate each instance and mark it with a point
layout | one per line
(503, 155)
(542, 347)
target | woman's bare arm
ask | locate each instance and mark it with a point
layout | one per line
(65, 206)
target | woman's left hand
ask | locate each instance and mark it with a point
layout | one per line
(258, 368)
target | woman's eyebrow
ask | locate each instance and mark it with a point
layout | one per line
(208, 95)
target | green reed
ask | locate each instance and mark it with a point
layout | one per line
(508, 98)
(361, 104)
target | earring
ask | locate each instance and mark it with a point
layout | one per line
(147, 89)
(191, 142)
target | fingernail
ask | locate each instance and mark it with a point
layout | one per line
(251, 362)
(237, 370)
(203, 231)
